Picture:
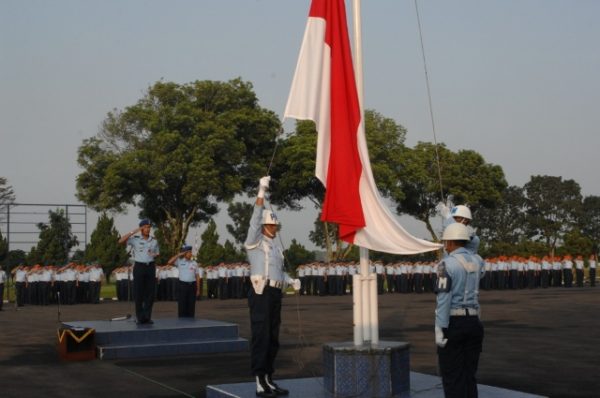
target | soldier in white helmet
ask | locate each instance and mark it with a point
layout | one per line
(458, 330)
(460, 214)
(268, 278)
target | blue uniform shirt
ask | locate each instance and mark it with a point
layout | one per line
(187, 269)
(265, 255)
(143, 249)
(456, 287)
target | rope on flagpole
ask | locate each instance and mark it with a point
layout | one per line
(437, 154)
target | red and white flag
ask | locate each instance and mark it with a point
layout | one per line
(324, 90)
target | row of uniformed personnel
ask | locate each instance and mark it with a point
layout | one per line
(70, 284)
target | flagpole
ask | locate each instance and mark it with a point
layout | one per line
(368, 323)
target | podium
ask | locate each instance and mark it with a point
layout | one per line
(76, 344)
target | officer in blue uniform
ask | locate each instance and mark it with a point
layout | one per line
(187, 289)
(268, 278)
(458, 330)
(144, 249)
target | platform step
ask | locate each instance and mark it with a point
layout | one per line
(172, 349)
(165, 337)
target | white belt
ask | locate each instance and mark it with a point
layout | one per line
(464, 312)
(276, 284)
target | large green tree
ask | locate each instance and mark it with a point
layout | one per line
(211, 252)
(177, 153)
(56, 240)
(296, 254)
(553, 208)
(104, 247)
(503, 223)
(464, 175)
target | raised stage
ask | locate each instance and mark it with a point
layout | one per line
(421, 386)
(166, 337)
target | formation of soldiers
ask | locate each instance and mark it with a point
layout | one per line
(77, 283)
(223, 281)
(503, 272)
(70, 284)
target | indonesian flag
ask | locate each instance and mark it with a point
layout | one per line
(324, 91)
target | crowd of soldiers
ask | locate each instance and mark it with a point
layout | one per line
(77, 283)
(503, 272)
(70, 284)
(223, 281)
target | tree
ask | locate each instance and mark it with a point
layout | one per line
(574, 242)
(15, 258)
(240, 213)
(296, 254)
(78, 256)
(177, 153)
(3, 247)
(464, 175)
(503, 222)
(7, 196)
(211, 252)
(56, 240)
(293, 172)
(104, 247)
(553, 208)
(589, 221)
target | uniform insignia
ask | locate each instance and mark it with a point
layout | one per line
(443, 283)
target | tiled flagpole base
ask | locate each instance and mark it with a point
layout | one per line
(379, 370)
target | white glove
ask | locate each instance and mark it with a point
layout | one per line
(296, 284)
(439, 337)
(263, 186)
(443, 209)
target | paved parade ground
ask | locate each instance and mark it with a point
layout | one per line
(540, 341)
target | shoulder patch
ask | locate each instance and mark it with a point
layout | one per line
(443, 282)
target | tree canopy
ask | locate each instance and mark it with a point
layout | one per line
(104, 248)
(177, 153)
(56, 241)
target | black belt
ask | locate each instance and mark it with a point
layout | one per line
(141, 263)
(189, 283)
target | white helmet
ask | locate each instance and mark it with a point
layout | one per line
(268, 217)
(456, 231)
(461, 211)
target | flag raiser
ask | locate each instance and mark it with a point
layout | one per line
(324, 91)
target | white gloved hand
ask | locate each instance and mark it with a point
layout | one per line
(296, 284)
(443, 209)
(263, 186)
(439, 337)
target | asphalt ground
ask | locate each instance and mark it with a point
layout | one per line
(541, 341)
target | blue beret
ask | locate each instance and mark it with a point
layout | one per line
(145, 221)
(186, 248)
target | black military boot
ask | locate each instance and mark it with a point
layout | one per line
(263, 389)
(274, 387)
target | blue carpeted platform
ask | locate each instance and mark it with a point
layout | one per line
(421, 386)
(166, 337)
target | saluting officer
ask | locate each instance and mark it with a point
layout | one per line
(187, 289)
(265, 255)
(145, 250)
(458, 330)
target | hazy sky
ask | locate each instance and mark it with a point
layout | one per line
(516, 80)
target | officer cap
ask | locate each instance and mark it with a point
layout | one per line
(143, 222)
(186, 248)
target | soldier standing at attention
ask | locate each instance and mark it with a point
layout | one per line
(458, 330)
(145, 250)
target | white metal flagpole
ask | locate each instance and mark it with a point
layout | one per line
(367, 301)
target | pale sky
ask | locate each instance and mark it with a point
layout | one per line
(515, 80)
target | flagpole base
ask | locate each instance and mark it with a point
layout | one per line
(370, 370)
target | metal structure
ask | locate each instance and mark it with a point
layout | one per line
(18, 223)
